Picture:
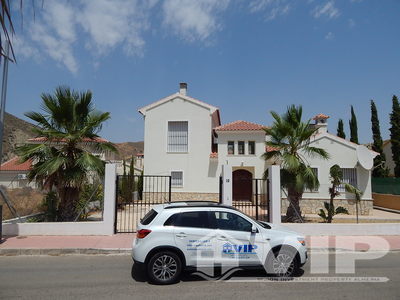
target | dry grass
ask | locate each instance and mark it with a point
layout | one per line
(26, 201)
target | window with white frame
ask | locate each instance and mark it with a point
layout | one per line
(252, 147)
(177, 136)
(176, 178)
(350, 177)
(241, 147)
(231, 147)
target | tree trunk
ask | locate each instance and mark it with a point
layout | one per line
(69, 197)
(293, 213)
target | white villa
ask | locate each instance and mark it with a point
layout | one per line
(184, 138)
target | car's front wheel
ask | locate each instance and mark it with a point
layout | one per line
(283, 262)
(164, 267)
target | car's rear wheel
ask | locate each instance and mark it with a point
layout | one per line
(164, 267)
(283, 262)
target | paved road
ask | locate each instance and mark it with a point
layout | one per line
(111, 277)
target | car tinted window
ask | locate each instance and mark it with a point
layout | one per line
(230, 221)
(194, 219)
(171, 220)
(149, 217)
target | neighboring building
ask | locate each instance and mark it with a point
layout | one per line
(343, 153)
(13, 174)
(184, 138)
(387, 149)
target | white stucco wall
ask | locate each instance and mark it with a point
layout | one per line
(199, 172)
(344, 156)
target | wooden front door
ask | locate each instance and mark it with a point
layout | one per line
(242, 185)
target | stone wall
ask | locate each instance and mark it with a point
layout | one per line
(312, 206)
(194, 196)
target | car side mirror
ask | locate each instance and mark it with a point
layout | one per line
(254, 229)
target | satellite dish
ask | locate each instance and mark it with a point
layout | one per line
(365, 157)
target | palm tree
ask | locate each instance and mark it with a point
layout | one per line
(62, 160)
(289, 145)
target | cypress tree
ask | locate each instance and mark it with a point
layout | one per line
(353, 127)
(379, 168)
(395, 135)
(340, 130)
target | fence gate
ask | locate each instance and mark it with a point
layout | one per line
(135, 195)
(255, 200)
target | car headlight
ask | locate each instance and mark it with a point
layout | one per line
(302, 241)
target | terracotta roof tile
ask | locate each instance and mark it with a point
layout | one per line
(270, 148)
(14, 165)
(321, 116)
(214, 155)
(240, 126)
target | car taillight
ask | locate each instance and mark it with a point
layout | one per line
(142, 233)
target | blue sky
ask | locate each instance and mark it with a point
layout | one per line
(247, 57)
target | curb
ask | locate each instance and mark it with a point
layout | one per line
(127, 251)
(64, 251)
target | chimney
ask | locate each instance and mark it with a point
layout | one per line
(183, 88)
(321, 123)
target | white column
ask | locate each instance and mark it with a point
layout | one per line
(109, 197)
(274, 177)
(227, 185)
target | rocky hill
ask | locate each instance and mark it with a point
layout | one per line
(127, 149)
(16, 132)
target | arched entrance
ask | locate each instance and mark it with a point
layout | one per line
(242, 185)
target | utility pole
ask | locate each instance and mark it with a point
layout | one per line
(3, 95)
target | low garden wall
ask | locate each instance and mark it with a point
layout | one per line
(105, 227)
(312, 206)
(387, 201)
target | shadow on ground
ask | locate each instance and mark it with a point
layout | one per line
(138, 274)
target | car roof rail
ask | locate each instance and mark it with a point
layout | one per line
(187, 204)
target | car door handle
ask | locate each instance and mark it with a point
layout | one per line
(181, 235)
(222, 238)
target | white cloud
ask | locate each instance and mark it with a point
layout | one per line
(113, 23)
(326, 10)
(273, 8)
(329, 36)
(23, 49)
(193, 20)
(102, 24)
(58, 49)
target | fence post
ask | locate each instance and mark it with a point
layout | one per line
(256, 181)
(109, 206)
(227, 185)
(1, 223)
(274, 176)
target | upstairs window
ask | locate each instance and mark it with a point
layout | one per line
(177, 136)
(241, 147)
(252, 148)
(231, 147)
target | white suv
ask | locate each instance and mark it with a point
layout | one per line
(186, 235)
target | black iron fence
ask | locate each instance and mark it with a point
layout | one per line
(135, 195)
(257, 205)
